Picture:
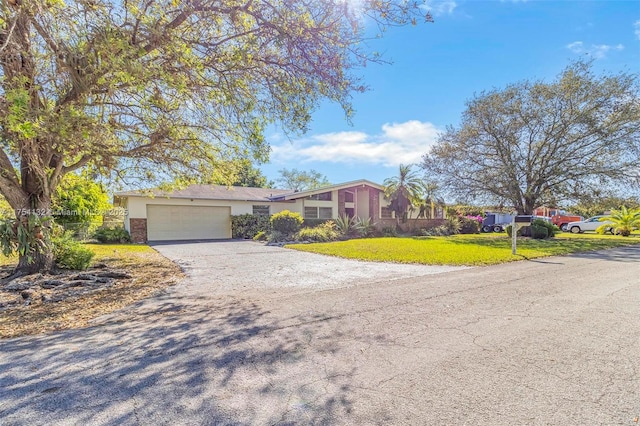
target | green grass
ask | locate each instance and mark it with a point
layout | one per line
(102, 251)
(106, 250)
(477, 249)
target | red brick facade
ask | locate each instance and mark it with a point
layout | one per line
(341, 198)
(374, 204)
(374, 195)
(138, 230)
(411, 224)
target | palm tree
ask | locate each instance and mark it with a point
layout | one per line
(403, 191)
(430, 199)
(624, 220)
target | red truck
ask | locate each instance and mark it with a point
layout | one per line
(558, 217)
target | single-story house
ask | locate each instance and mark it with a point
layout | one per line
(201, 212)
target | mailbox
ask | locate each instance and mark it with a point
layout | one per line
(523, 219)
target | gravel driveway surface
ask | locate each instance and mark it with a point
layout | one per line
(244, 266)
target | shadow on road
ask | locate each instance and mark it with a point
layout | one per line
(207, 362)
(618, 254)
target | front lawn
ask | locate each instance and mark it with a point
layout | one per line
(475, 249)
(149, 273)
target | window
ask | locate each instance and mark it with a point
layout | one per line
(261, 210)
(386, 213)
(325, 212)
(318, 212)
(325, 196)
(310, 212)
(348, 197)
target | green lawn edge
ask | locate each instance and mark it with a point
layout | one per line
(463, 250)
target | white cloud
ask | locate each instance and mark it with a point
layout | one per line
(598, 51)
(636, 27)
(440, 7)
(397, 143)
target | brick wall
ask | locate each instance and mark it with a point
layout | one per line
(138, 228)
(341, 198)
(411, 224)
(374, 204)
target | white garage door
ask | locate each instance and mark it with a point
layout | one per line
(187, 222)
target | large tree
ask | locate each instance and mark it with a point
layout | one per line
(241, 173)
(158, 89)
(536, 143)
(301, 180)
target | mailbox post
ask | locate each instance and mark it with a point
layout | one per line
(518, 221)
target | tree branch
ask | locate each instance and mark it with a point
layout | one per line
(80, 163)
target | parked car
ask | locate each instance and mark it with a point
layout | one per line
(590, 224)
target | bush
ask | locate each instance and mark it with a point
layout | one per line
(454, 225)
(438, 231)
(509, 229)
(312, 223)
(69, 253)
(539, 232)
(249, 225)
(286, 222)
(112, 235)
(365, 227)
(260, 236)
(539, 229)
(346, 225)
(322, 233)
(277, 237)
(389, 231)
(468, 225)
(552, 230)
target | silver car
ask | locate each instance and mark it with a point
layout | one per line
(590, 224)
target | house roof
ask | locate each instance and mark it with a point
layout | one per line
(211, 192)
(240, 193)
(301, 194)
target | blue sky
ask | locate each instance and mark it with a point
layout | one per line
(471, 47)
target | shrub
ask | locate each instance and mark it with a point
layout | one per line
(389, 231)
(260, 236)
(277, 237)
(346, 225)
(539, 229)
(539, 232)
(509, 229)
(552, 230)
(453, 225)
(438, 231)
(468, 225)
(286, 222)
(112, 235)
(365, 227)
(322, 233)
(69, 253)
(312, 223)
(249, 225)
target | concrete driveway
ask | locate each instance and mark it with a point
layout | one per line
(548, 342)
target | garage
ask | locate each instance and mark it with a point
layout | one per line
(166, 223)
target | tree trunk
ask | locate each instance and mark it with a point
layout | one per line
(39, 257)
(40, 260)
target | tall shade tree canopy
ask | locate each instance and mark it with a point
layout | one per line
(241, 173)
(536, 143)
(301, 180)
(167, 89)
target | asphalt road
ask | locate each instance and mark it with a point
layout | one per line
(553, 341)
